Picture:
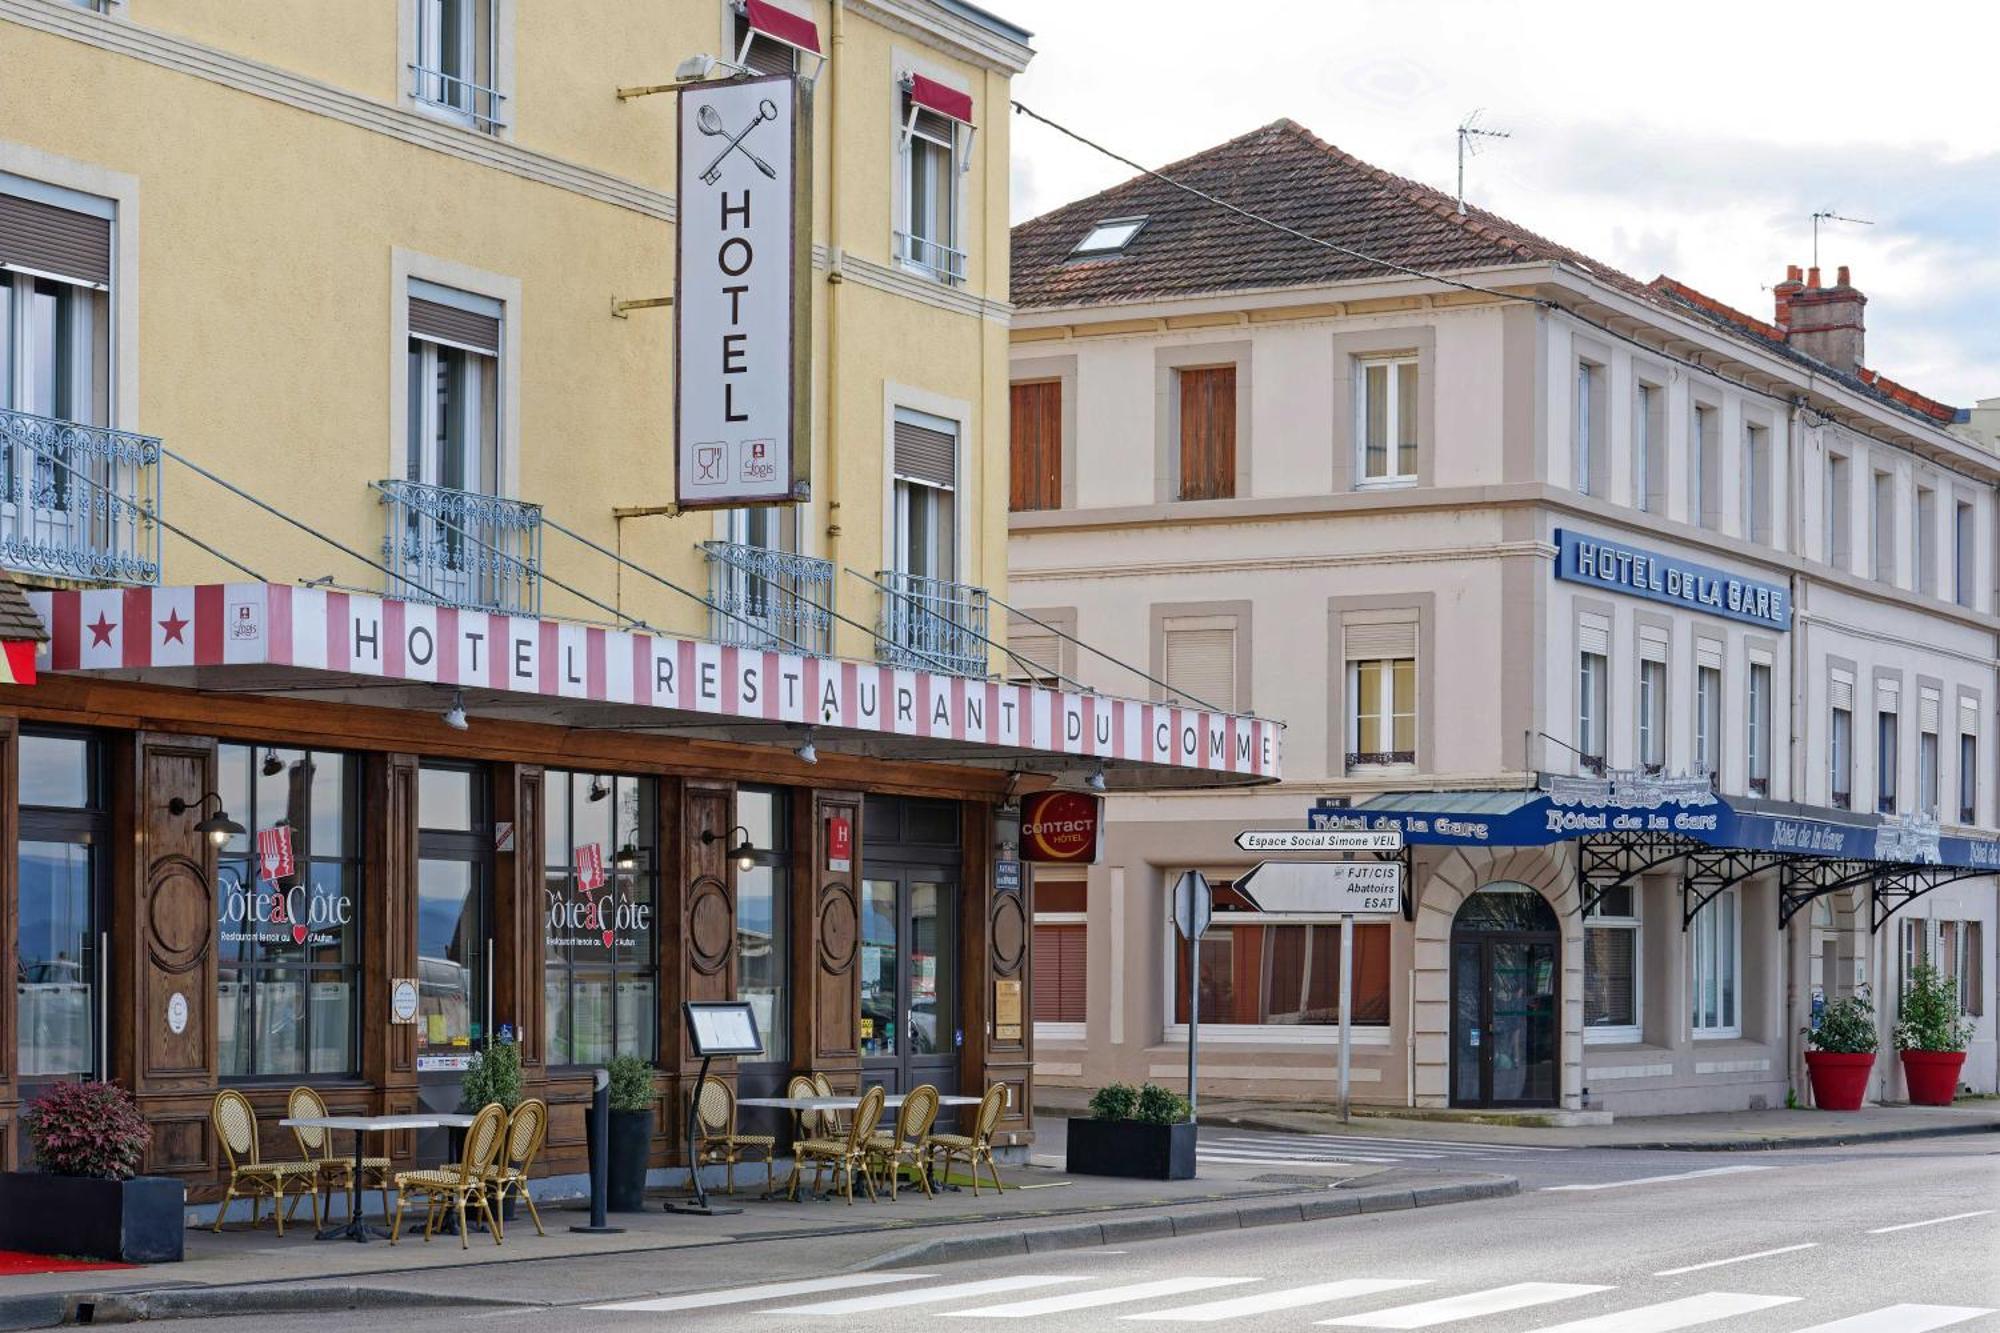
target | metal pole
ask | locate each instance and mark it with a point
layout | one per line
(600, 1156)
(1346, 1003)
(1194, 1015)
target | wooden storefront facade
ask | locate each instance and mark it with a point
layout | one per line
(156, 908)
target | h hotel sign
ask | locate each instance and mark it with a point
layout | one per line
(742, 347)
(1060, 827)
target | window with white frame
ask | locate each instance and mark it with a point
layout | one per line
(1708, 713)
(1840, 742)
(1611, 963)
(1835, 511)
(1385, 429)
(1652, 700)
(1259, 971)
(1968, 762)
(1930, 718)
(1757, 728)
(1587, 430)
(926, 467)
(1715, 938)
(1705, 467)
(1757, 487)
(1593, 691)
(927, 231)
(457, 49)
(1887, 753)
(1380, 649)
(1062, 957)
(454, 389)
(1954, 949)
(1649, 449)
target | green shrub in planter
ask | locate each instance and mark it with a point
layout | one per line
(1841, 1052)
(1929, 1019)
(631, 1083)
(493, 1076)
(1157, 1106)
(1115, 1102)
(1846, 1027)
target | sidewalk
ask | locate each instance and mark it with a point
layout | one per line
(1706, 1132)
(1042, 1208)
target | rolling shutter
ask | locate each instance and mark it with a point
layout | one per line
(1708, 653)
(57, 241)
(1367, 642)
(1927, 711)
(1038, 649)
(1208, 433)
(1035, 429)
(1653, 644)
(1593, 635)
(1061, 965)
(449, 324)
(1840, 691)
(1200, 662)
(925, 453)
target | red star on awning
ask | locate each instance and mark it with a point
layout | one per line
(100, 630)
(172, 626)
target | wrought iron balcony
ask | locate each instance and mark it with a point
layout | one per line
(769, 599)
(460, 548)
(933, 624)
(79, 502)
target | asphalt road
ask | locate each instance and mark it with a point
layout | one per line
(1894, 1238)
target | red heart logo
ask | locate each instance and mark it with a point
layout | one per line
(607, 939)
(298, 934)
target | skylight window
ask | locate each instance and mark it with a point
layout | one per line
(1109, 236)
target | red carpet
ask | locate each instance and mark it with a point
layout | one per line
(14, 1263)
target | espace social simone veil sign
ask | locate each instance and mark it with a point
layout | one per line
(740, 345)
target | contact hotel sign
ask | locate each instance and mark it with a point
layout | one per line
(741, 345)
(1616, 567)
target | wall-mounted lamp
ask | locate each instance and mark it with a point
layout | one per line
(745, 854)
(627, 858)
(272, 764)
(1096, 780)
(219, 827)
(808, 751)
(599, 788)
(454, 716)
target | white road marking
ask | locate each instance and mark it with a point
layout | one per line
(1295, 1159)
(1668, 1315)
(1929, 1222)
(1741, 1258)
(1496, 1300)
(1657, 1180)
(1377, 1142)
(701, 1300)
(951, 1291)
(1901, 1319)
(1291, 1299)
(1085, 1300)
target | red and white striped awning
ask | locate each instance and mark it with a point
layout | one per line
(782, 25)
(341, 639)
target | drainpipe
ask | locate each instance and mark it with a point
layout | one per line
(835, 256)
(1795, 1015)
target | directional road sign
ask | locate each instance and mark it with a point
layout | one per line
(1321, 840)
(1328, 888)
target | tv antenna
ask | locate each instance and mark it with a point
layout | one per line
(1824, 215)
(1469, 135)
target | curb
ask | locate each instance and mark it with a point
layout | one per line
(1835, 1140)
(57, 1309)
(1116, 1231)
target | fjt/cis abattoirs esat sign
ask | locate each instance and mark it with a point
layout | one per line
(738, 346)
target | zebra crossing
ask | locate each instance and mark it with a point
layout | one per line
(1418, 1303)
(1261, 1149)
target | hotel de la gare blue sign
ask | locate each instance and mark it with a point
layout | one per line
(1617, 567)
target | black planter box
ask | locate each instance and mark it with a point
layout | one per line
(1129, 1148)
(137, 1221)
(631, 1147)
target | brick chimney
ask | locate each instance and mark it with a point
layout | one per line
(1823, 322)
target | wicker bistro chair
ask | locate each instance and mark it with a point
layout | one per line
(715, 1118)
(845, 1155)
(527, 1127)
(976, 1147)
(452, 1186)
(832, 1124)
(911, 1143)
(335, 1172)
(236, 1130)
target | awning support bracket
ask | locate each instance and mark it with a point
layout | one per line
(1710, 872)
(1899, 888)
(1606, 861)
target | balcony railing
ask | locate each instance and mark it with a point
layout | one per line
(459, 548)
(943, 262)
(932, 624)
(478, 104)
(769, 599)
(79, 502)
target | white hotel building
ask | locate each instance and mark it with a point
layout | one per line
(1284, 479)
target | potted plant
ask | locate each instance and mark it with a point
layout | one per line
(1841, 1052)
(631, 1133)
(88, 1199)
(1143, 1133)
(1932, 1036)
(492, 1075)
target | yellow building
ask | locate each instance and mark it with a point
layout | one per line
(340, 421)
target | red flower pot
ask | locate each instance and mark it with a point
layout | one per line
(1839, 1078)
(1932, 1076)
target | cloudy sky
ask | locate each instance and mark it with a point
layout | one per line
(1697, 144)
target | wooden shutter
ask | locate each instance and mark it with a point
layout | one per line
(1200, 661)
(1061, 963)
(56, 241)
(448, 323)
(1036, 426)
(925, 454)
(1208, 433)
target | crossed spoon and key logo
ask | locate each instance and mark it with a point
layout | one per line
(709, 121)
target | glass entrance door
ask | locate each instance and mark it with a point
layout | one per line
(909, 985)
(454, 935)
(1506, 1000)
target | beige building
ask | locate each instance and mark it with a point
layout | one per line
(1505, 537)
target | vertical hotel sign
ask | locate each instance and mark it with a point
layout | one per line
(742, 348)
